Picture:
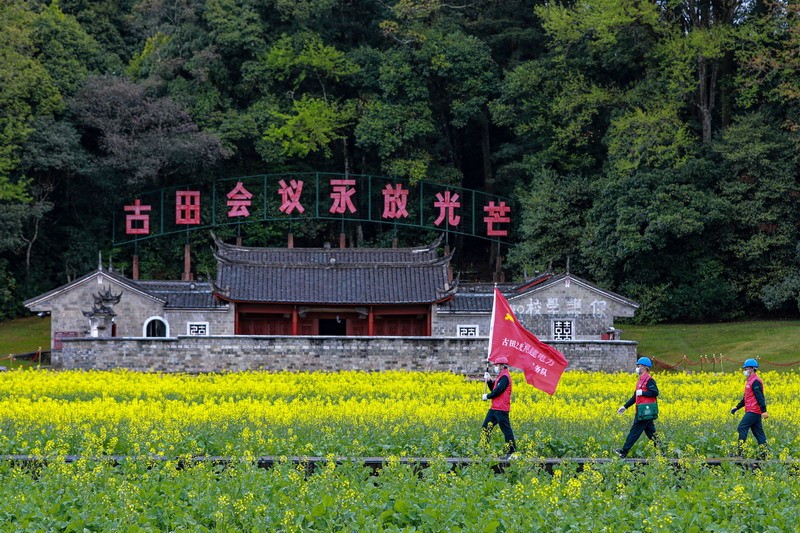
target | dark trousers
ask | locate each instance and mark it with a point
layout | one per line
(639, 426)
(500, 418)
(751, 422)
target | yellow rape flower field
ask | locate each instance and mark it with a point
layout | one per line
(247, 415)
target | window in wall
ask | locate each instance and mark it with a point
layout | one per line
(467, 330)
(562, 330)
(156, 327)
(197, 328)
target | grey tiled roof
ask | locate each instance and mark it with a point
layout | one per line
(182, 294)
(327, 256)
(352, 276)
(468, 303)
(479, 297)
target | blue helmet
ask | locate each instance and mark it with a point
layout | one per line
(645, 361)
(750, 362)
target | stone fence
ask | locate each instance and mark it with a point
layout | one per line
(317, 353)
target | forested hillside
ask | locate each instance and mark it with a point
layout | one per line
(653, 145)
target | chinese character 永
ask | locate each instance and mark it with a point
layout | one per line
(341, 195)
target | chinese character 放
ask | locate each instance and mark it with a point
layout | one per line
(394, 201)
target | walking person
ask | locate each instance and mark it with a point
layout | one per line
(500, 395)
(645, 398)
(755, 408)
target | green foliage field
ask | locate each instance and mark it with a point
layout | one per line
(23, 335)
(770, 341)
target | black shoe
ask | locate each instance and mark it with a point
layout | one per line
(621, 454)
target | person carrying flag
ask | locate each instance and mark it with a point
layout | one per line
(646, 393)
(500, 395)
(755, 408)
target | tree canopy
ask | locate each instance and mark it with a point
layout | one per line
(650, 146)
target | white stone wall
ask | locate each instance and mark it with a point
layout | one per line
(219, 354)
(219, 321)
(132, 310)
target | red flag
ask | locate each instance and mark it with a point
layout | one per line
(541, 363)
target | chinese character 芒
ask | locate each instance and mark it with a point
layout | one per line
(497, 215)
(239, 201)
(290, 196)
(137, 223)
(394, 201)
(187, 207)
(341, 195)
(447, 205)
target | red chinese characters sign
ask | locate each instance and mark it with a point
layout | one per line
(239, 201)
(390, 202)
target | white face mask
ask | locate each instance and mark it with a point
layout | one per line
(638, 370)
(496, 369)
(746, 373)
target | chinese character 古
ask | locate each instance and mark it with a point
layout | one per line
(137, 223)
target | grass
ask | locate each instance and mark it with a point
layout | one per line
(769, 341)
(23, 335)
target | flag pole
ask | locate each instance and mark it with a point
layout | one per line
(491, 325)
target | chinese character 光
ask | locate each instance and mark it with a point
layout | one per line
(447, 205)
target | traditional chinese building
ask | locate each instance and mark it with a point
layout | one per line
(332, 291)
(262, 291)
(322, 309)
(559, 307)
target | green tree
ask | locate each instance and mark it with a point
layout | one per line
(761, 183)
(310, 69)
(147, 140)
(65, 50)
(647, 235)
